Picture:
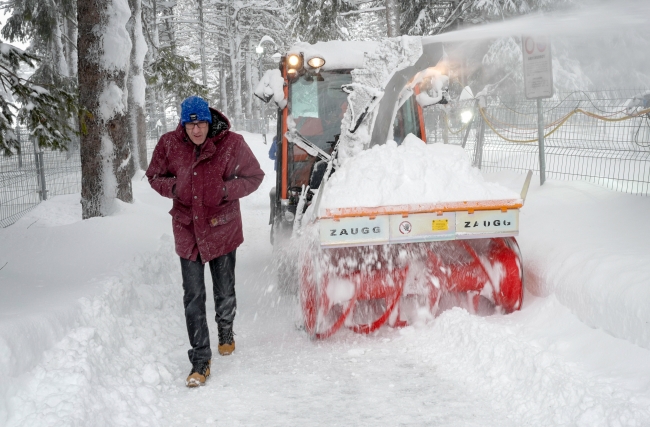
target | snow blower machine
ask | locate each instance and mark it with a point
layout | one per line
(396, 261)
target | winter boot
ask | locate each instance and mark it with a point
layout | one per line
(226, 341)
(199, 373)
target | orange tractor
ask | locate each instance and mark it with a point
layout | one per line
(375, 265)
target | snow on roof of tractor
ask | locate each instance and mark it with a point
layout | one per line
(338, 55)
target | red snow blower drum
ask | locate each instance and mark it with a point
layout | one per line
(398, 265)
(365, 287)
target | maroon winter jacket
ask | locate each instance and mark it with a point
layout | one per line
(206, 184)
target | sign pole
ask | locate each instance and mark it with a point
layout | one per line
(538, 82)
(540, 133)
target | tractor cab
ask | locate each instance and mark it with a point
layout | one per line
(310, 121)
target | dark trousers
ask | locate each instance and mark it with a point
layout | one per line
(223, 284)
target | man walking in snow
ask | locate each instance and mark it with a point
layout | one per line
(205, 169)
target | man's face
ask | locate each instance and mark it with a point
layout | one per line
(197, 131)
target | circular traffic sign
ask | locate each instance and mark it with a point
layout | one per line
(529, 45)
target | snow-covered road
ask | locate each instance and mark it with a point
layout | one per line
(92, 330)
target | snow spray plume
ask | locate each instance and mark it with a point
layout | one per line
(601, 18)
(598, 45)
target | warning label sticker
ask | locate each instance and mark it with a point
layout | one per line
(440, 225)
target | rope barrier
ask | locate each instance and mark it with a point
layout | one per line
(462, 128)
(558, 123)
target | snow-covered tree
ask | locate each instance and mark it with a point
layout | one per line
(207, 48)
(104, 52)
(46, 109)
(49, 66)
(171, 75)
(231, 31)
(50, 26)
(321, 20)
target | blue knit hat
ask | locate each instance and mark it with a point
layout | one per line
(195, 108)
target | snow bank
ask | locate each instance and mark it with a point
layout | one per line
(590, 247)
(525, 371)
(67, 291)
(113, 365)
(411, 173)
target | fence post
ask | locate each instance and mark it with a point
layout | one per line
(42, 175)
(445, 127)
(20, 150)
(540, 136)
(480, 135)
(40, 171)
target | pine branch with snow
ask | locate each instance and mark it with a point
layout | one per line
(173, 73)
(44, 103)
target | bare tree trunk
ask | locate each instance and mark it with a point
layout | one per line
(235, 60)
(204, 74)
(104, 140)
(68, 44)
(152, 110)
(72, 47)
(170, 33)
(223, 87)
(162, 115)
(392, 18)
(90, 80)
(58, 53)
(118, 131)
(157, 95)
(249, 85)
(137, 87)
(255, 81)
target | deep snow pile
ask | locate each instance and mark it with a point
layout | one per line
(92, 330)
(590, 247)
(411, 173)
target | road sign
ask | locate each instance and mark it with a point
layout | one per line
(538, 70)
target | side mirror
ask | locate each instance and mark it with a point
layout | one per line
(264, 97)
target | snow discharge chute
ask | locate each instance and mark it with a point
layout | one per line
(432, 54)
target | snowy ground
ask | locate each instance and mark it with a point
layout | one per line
(92, 331)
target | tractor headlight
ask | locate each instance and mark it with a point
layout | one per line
(466, 116)
(316, 62)
(294, 65)
(294, 61)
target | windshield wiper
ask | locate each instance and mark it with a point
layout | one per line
(312, 149)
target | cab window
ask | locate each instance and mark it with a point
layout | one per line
(406, 121)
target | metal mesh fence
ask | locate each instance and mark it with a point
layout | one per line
(32, 176)
(602, 137)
